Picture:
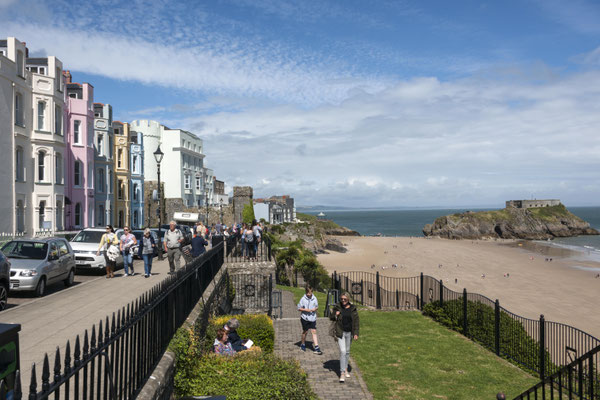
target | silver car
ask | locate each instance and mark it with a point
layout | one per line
(36, 263)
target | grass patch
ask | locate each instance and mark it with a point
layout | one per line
(404, 355)
(298, 292)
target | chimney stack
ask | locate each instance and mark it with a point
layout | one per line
(67, 75)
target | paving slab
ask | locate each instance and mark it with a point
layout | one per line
(50, 321)
(322, 370)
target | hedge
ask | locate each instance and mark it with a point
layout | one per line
(257, 327)
(247, 375)
(515, 343)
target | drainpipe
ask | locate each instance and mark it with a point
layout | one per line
(14, 177)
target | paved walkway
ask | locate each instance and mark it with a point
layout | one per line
(323, 370)
(50, 321)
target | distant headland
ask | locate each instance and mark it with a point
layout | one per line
(521, 219)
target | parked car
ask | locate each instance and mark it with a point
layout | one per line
(37, 263)
(85, 245)
(139, 233)
(4, 280)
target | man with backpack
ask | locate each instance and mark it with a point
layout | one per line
(248, 239)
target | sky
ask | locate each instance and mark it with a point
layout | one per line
(351, 103)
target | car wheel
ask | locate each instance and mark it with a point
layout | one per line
(3, 296)
(40, 290)
(71, 278)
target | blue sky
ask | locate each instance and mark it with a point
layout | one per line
(353, 103)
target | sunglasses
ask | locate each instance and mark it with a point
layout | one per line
(344, 299)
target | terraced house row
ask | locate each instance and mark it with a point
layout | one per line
(70, 165)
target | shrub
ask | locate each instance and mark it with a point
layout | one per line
(248, 213)
(247, 375)
(515, 343)
(258, 328)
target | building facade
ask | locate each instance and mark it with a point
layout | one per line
(219, 196)
(182, 167)
(137, 178)
(103, 163)
(122, 176)
(16, 198)
(532, 203)
(79, 175)
(48, 143)
(276, 209)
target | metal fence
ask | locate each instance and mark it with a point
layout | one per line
(253, 292)
(578, 379)
(535, 344)
(115, 358)
(238, 250)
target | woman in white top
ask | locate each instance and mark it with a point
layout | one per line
(109, 239)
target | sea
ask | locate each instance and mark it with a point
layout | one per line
(406, 222)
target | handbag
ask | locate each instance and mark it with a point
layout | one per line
(332, 329)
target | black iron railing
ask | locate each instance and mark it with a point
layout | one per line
(577, 380)
(253, 292)
(535, 344)
(116, 358)
(238, 250)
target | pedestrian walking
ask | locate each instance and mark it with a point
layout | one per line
(146, 251)
(256, 231)
(347, 324)
(108, 245)
(308, 307)
(172, 241)
(248, 239)
(198, 245)
(128, 241)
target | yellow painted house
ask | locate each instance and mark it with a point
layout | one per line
(122, 176)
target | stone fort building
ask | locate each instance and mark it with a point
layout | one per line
(532, 203)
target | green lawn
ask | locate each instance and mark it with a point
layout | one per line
(404, 355)
(299, 292)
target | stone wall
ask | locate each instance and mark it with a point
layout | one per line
(252, 285)
(242, 195)
(151, 206)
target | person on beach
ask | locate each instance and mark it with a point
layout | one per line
(108, 244)
(128, 241)
(347, 326)
(146, 251)
(173, 240)
(308, 307)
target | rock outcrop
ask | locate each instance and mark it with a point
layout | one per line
(511, 223)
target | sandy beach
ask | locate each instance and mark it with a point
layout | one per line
(564, 289)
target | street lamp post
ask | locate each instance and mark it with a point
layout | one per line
(221, 209)
(158, 156)
(206, 204)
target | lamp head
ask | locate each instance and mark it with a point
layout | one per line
(158, 155)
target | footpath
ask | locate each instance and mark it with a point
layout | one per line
(48, 322)
(323, 370)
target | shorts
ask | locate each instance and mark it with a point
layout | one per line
(306, 325)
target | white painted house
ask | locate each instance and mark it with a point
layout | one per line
(182, 168)
(48, 142)
(17, 178)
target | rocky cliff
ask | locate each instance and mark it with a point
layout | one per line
(511, 223)
(316, 235)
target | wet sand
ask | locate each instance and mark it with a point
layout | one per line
(564, 289)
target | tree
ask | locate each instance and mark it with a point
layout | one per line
(248, 213)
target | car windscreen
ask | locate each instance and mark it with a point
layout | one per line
(25, 249)
(138, 235)
(162, 233)
(88, 237)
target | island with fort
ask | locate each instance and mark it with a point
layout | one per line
(521, 219)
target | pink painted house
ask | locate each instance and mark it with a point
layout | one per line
(79, 171)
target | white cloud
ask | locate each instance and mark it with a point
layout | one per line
(421, 142)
